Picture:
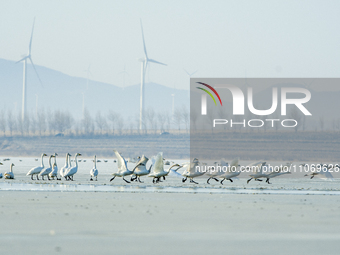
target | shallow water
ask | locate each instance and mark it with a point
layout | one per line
(158, 189)
(295, 184)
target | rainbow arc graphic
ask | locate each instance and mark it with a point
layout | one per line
(209, 93)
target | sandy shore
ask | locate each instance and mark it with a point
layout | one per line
(167, 223)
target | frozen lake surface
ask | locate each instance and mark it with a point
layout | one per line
(295, 215)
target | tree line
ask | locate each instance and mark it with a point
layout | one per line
(59, 122)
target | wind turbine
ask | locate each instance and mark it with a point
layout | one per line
(173, 106)
(36, 106)
(124, 72)
(24, 59)
(144, 61)
(88, 73)
(189, 74)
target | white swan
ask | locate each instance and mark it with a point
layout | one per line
(191, 172)
(275, 174)
(158, 169)
(140, 169)
(323, 171)
(278, 171)
(65, 167)
(69, 166)
(37, 170)
(258, 173)
(10, 174)
(231, 171)
(214, 171)
(122, 167)
(72, 170)
(94, 170)
(48, 170)
(54, 172)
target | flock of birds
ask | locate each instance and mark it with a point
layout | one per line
(158, 173)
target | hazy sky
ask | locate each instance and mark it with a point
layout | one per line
(217, 38)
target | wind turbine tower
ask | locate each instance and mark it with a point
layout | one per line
(24, 59)
(189, 74)
(144, 63)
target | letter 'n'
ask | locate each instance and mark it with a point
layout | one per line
(238, 98)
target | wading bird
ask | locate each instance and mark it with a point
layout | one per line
(94, 170)
(54, 172)
(322, 171)
(140, 169)
(278, 171)
(158, 169)
(64, 169)
(122, 167)
(48, 170)
(38, 169)
(258, 173)
(191, 172)
(216, 170)
(10, 174)
(231, 171)
(72, 170)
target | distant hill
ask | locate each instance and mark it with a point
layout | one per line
(64, 92)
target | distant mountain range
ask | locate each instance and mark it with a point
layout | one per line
(64, 92)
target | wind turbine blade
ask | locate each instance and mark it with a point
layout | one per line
(193, 73)
(89, 70)
(154, 61)
(146, 54)
(30, 45)
(35, 71)
(190, 74)
(22, 59)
